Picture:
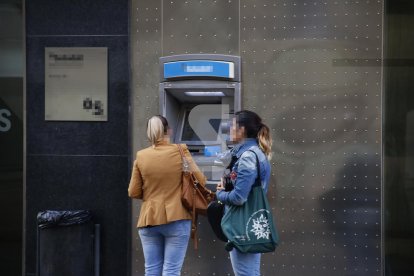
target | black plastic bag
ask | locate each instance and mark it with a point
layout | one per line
(49, 218)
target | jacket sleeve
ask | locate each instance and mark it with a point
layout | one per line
(246, 176)
(135, 184)
(193, 166)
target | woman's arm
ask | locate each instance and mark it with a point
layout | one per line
(135, 184)
(193, 166)
(246, 176)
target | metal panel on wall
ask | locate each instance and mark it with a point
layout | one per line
(145, 51)
(312, 70)
(191, 27)
(182, 27)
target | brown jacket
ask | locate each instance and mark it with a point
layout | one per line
(156, 179)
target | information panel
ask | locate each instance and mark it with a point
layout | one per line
(76, 83)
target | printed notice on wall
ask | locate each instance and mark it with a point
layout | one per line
(76, 84)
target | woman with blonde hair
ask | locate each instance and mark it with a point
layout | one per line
(253, 142)
(163, 224)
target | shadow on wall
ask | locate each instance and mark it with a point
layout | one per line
(352, 210)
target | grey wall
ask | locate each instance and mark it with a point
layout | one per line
(312, 69)
(79, 165)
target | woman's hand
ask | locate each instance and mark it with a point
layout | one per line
(220, 186)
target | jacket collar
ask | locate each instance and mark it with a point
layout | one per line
(161, 143)
(246, 144)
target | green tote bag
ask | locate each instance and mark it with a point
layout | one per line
(250, 227)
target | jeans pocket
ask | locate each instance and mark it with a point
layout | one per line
(143, 231)
(185, 227)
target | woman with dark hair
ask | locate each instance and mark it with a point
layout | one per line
(164, 223)
(252, 138)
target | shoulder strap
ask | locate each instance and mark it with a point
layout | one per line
(232, 162)
(185, 161)
(194, 215)
(258, 179)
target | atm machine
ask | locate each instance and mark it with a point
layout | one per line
(198, 95)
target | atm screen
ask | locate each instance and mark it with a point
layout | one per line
(188, 134)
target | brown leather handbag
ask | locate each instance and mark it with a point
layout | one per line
(195, 197)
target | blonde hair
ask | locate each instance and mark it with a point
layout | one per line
(265, 140)
(156, 129)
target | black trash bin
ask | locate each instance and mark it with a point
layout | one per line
(67, 243)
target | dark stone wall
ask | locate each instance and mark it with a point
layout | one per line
(79, 165)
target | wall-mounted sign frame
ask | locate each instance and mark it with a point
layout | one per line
(76, 83)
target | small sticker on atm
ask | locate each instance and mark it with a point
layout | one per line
(201, 69)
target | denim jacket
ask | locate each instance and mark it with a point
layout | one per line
(245, 172)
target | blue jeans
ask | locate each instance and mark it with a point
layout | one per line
(164, 247)
(245, 264)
